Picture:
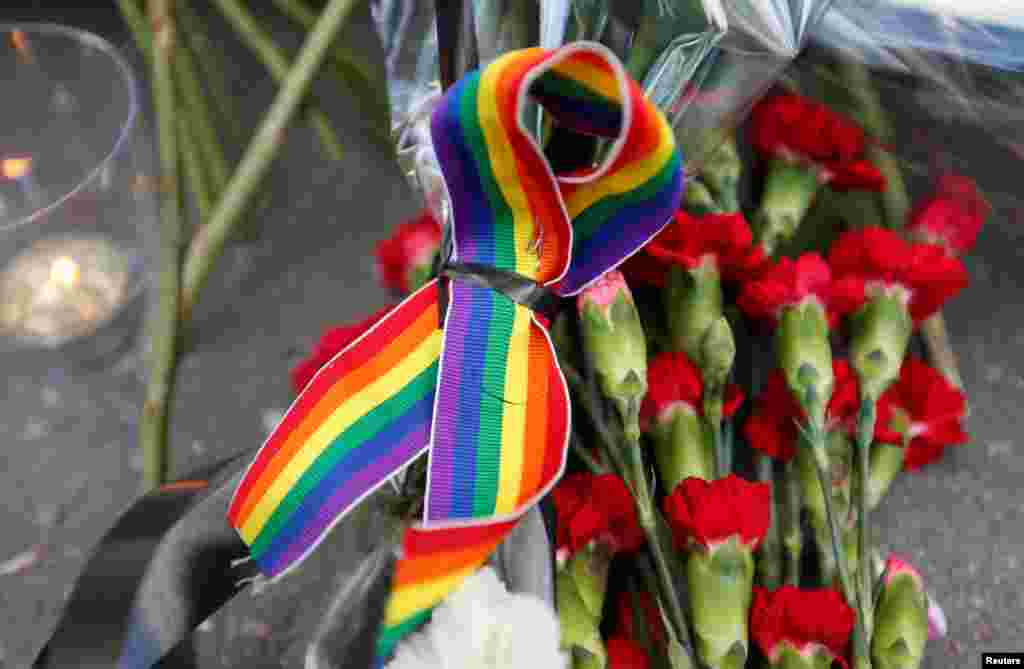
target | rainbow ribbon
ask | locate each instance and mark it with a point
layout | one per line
(483, 392)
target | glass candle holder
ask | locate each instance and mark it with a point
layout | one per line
(77, 209)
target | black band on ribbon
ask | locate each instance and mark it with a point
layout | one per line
(515, 287)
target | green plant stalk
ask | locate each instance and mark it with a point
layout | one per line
(723, 464)
(581, 451)
(193, 167)
(153, 426)
(193, 102)
(769, 564)
(792, 532)
(865, 436)
(648, 522)
(354, 71)
(274, 59)
(207, 246)
(200, 119)
(862, 651)
(211, 68)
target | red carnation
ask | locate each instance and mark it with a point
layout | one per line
(625, 653)
(925, 406)
(952, 216)
(650, 615)
(595, 507)
(409, 250)
(331, 343)
(772, 427)
(690, 241)
(874, 259)
(795, 129)
(805, 620)
(788, 283)
(709, 513)
(673, 380)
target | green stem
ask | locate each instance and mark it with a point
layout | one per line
(793, 533)
(274, 59)
(861, 648)
(722, 464)
(865, 436)
(194, 102)
(770, 554)
(940, 350)
(589, 460)
(192, 163)
(211, 67)
(153, 427)
(350, 67)
(648, 522)
(209, 243)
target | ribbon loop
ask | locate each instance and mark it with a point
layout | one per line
(483, 391)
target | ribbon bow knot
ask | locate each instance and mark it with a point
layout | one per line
(481, 391)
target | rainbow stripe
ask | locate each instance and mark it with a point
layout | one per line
(484, 391)
(366, 414)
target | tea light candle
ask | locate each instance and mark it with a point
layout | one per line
(62, 288)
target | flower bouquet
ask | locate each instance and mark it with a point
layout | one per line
(669, 328)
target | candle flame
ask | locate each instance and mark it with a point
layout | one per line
(19, 40)
(64, 272)
(15, 168)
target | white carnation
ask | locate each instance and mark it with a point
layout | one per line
(483, 626)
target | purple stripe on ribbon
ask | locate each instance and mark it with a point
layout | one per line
(347, 489)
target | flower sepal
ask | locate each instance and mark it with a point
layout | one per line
(613, 338)
(881, 334)
(683, 448)
(721, 580)
(722, 175)
(693, 302)
(581, 585)
(901, 619)
(789, 191)
(886, 463)
(805, 357)
(813, 657)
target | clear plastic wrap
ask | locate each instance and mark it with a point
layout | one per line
(938, 87)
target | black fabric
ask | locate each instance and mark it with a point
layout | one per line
(168, 563)
(516, 287)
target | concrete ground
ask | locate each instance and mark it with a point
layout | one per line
(69, 463)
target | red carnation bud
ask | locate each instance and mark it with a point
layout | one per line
(595, 507)
(690, 241)
(952, 216)
(625, 653)
(925, 408)
(803, 621)
(332, 342)
(673, 381)
(798, 130)
(788, 283)
(710, 513)
(922, 276)
(405, 259)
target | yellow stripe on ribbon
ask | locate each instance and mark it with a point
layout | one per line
(504, 166)
(409, 600)
(625, 180)
(513, 425)
(347, 414)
